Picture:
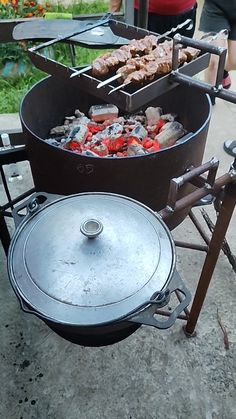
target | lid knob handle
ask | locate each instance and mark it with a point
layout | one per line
(91, 228)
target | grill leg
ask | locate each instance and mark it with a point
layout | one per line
(4, 233)
(215, 245)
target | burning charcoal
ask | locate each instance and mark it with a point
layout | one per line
(69, 119)
(100, 113)
(153, 115)
(133, 119)
(52, 141)
(135, 150)
(89, 153)
(139, 131)
(100, 150)
(59, 130)
(150, 145)
(78, 134)
(83, 120)
(115, 144)
(169, 117)
(120, 120)
(169, 134)
(72, 146)
(78, 114)
(112, 131)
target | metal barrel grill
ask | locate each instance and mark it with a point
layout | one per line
(145, 178)
(108, 197)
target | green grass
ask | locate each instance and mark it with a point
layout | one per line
(12, 89)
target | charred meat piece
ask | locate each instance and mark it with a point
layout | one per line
(191, 53)
(99, 66)
(138, 63)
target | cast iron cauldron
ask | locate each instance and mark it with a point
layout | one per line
(144, 178)
(93, 266)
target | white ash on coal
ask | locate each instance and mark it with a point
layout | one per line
(106, 134)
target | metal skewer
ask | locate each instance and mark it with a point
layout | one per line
(118, 87)
(107, 81)
(188, 22)
(81, 71)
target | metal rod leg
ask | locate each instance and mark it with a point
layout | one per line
(215, 245)
(4, 233)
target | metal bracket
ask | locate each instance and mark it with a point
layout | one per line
(193, 176)
(214, 90)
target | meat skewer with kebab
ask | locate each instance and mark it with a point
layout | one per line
(157, 67)
(134, 47)
(103, 64)
(161, 51)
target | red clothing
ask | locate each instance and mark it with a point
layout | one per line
(168, 7)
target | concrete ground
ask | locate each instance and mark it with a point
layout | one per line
(152, 374)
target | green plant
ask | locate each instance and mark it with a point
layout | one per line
(22, 8)
(12, 89)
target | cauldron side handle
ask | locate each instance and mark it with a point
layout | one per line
(146, 316)
(32, 204)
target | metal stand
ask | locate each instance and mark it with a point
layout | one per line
(224, 185)
(215, 245)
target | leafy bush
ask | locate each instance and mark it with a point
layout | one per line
(11, 9)
(12, 89)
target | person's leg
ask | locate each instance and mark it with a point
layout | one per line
(230, 145)
(231, 59)
(210, 73)
(213, 19)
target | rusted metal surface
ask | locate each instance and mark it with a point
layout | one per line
(225, 246)
(215, 246)
(198, 226)
(196, 196)
(192, 174)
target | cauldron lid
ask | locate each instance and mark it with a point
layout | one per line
(69, 277)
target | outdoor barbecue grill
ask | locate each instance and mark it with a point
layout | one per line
(169, 182)
(57, 171)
